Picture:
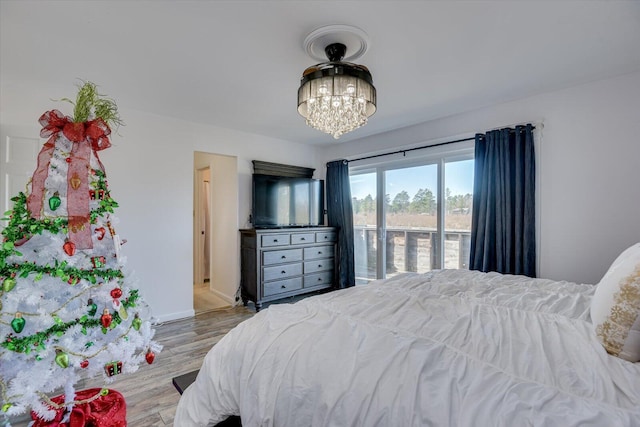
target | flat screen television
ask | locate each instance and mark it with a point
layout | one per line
(280, 201)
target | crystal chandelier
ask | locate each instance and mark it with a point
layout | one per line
(336, 97)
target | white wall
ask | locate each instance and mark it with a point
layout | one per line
(588, 168)
(150, 174)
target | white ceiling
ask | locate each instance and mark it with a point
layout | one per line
(237, 64)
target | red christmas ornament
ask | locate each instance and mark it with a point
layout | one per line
(150, 356)
(113, 368)
(69, 248)
(106, 318)
(68, 160)
(100, 231)
(84, 363)
(96, 194)
(116, 293)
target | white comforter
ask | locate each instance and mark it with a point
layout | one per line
(447, 348)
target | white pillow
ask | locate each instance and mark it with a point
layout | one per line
(615, 308)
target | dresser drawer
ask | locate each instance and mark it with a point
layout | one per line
(319, 252)
(302, 238)
(274, 240)
(326, 236)
(281, 286)
(279, 257)
(281, 271)
(318, 265)
(316, 279)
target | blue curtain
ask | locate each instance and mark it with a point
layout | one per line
(340, 214)
(503, 234)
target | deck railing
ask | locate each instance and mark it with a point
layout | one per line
(409, 250)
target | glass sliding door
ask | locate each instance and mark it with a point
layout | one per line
(458, 181)
(365, 213)
(412, 216)
(411, 222)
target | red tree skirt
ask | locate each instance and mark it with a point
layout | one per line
(105, 411)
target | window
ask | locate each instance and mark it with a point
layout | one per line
(412, 214)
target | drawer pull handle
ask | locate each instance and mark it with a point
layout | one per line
(319, 252)
(283, 287)
(283, 272)
(284, 256)
(319, 265)
(326, 237)
(319, 279)
(275, 240)
(302, 238)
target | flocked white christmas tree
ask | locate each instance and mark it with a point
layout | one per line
(67, 307)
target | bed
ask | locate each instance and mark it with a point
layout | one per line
(445, 348)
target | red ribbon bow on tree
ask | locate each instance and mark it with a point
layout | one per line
(97, 131)
(87, 137)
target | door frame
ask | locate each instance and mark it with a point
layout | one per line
(199, 227)
(224, 240)
(19, 148)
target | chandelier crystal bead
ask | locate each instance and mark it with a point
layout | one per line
(336, 97)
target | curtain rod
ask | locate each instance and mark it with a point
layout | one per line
(416, 148)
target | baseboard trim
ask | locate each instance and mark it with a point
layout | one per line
(225, 297)
(176, 316)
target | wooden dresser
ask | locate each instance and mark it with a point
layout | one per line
(283, 262)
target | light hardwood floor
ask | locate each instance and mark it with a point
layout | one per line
(205, 300)
(151, 397)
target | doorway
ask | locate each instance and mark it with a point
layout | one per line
(215, 219)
